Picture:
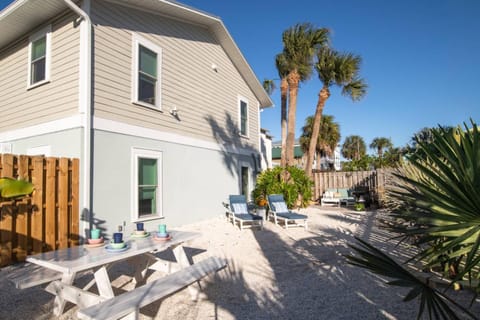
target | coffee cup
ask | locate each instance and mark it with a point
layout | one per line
(162, 228)
(139, 226)
(117, 237)
(95, 234)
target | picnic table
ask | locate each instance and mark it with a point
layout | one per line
(60, 268)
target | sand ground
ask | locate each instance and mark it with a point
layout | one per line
(272, 274)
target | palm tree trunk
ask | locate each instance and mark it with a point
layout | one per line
(293, 81)
(322, 98)
(283, 96)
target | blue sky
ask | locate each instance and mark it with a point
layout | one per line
(420, 59)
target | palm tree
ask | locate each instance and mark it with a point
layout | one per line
(353, 147)
(380, 143)
(300, 43)
(437, 202)
(328, 137)
(339, 69)
(281, 64)
(269, 86)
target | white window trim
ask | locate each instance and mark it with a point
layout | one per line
(138, 40)
(239, 103)
(47, 32)
(151, 154)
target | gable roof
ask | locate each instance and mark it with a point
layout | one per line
(23, 15)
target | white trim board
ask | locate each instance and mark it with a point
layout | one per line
(136, 131)
(43, 128)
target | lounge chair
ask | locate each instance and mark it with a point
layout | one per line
(238, 212)
(279, 211)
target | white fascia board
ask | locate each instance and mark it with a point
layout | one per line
(44, 128)
(142, 132)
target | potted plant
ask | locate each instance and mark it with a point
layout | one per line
(261, 204)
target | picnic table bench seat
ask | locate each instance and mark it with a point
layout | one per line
(31, 275)
(130, 302)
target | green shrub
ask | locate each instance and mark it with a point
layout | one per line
(292, 182)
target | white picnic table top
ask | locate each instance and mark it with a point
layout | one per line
(80, 258)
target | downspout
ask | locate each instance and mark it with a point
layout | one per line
(85, 106)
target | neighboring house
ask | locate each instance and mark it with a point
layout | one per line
(153, 97)
(299, 156)
(325, 163)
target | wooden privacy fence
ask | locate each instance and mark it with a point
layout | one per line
(49, 218)
(375, 180)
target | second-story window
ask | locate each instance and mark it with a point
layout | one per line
(147, 63)
(39, 57)
(147, 75)
(243, 117)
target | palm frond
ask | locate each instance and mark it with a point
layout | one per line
(437, 304)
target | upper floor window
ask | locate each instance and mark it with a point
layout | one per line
(243, 106)
(147, 71)
(39, 57)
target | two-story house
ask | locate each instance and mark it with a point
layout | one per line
(154, 98)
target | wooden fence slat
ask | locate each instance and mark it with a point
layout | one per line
(75, 202)
(37, 202)
(62, 203)
(21, 217)
(6, 219)
(50, 218)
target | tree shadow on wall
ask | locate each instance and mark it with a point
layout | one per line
(231, 143)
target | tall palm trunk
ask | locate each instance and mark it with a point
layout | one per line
(323, 95)
(293, 81)
(283, 97)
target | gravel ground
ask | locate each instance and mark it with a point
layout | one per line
(272, 274)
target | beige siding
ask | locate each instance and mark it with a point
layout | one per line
(207, 100)
(20, 107)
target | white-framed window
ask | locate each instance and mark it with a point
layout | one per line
(39, 56)
(243, 116)
(146, 71)
(147, 184)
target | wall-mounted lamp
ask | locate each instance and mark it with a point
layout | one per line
(214, 67)
(174, 111)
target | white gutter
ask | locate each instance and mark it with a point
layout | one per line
(85, 105)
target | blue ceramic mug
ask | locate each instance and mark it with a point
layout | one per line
(139, 226)
(117, 237)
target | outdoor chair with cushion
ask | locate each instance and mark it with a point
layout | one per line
(280, 211)
(238, 213)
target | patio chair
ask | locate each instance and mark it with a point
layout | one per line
(238, 213)
(279, 211)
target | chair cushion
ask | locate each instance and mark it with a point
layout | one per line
(248, 217)
(292, 215)
(240, 208)
(280, 207)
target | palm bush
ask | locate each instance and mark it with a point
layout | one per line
(437, 203)
(291, 181)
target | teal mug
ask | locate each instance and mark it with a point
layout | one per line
(95, 234)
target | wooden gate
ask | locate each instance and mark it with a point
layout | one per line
(49, 218)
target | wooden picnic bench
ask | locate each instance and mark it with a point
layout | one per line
(129, 303)
(31, 275)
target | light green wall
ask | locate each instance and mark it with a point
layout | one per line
(195, 181)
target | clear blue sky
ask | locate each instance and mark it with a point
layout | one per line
(421, 59)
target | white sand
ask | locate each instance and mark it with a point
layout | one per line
(272, 274)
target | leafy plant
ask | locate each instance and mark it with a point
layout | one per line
(11, 188)
(438, 201)
(291, 181)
